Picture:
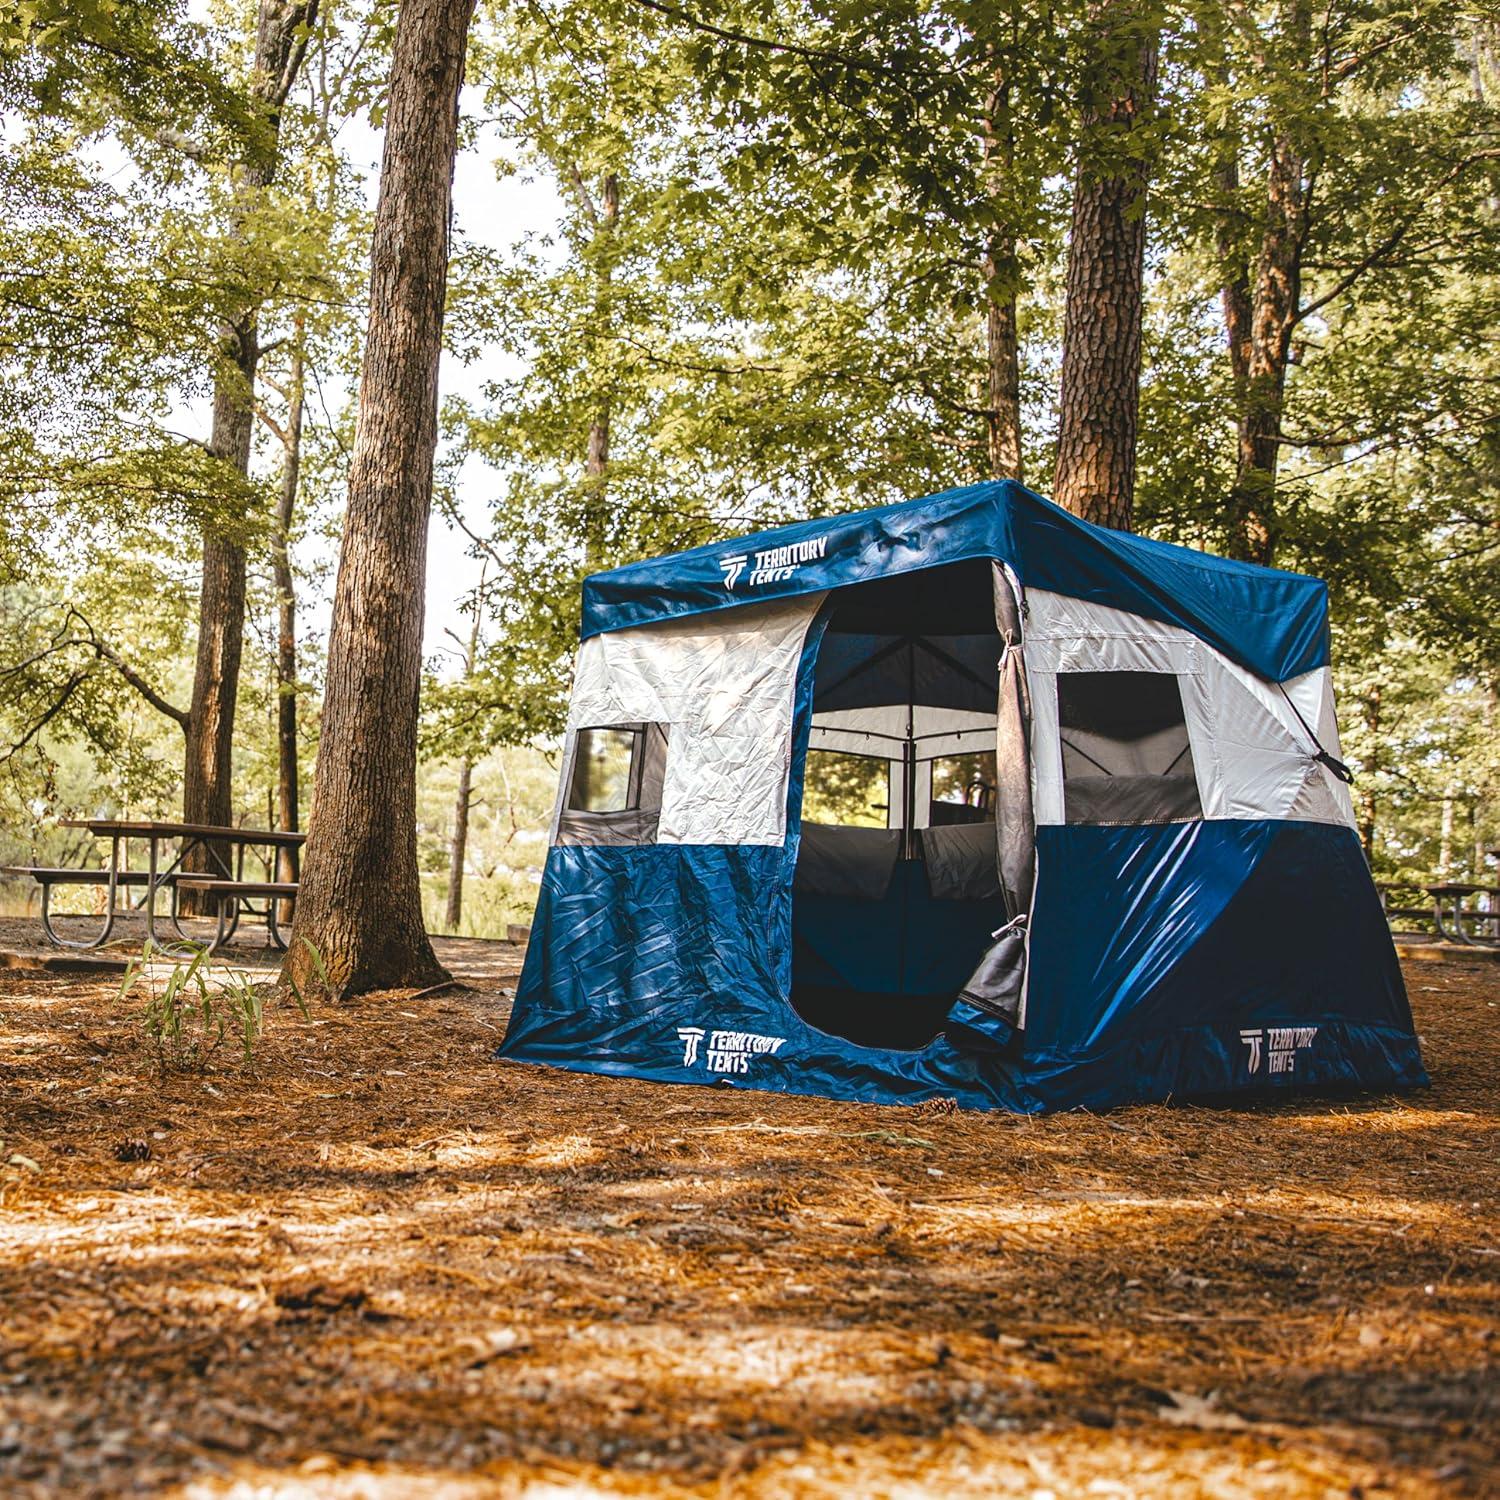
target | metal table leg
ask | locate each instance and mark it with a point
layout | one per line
(273, 930)
(53, 937)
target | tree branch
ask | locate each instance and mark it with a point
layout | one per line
(107, 653)
(1392, 241)
(766, 44)
(69, 688)
(273, 424)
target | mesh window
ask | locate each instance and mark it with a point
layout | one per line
(963, 789)
(849, 791)
(606, 771)
(1125, 749)
(615, 785)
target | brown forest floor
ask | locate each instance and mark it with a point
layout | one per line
(380, 1263)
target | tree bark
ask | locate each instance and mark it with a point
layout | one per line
(207, 782)
(1002, 338)
(287, 811)
(1101, 364)
(1261, 312)
(458, 848)
(1274, 307)
(359, 910)
(596, 456)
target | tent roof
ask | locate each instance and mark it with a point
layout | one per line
(1273, 623)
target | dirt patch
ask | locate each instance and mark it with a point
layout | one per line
(380, 1263)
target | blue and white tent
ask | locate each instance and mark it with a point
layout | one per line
(959, 797)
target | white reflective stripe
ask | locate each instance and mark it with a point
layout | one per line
(1251, 756)
(1115, 653)
(725, 684)
(1046, 747)
(1059, 617)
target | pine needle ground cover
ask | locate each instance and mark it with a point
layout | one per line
(375, 1262)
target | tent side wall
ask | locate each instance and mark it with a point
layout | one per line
(1204, 916)
(1199, 957)
(641, 954)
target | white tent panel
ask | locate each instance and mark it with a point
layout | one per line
(1252, 756)
(724, 684)
(882, 730)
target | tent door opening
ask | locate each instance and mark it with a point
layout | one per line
(897, 888)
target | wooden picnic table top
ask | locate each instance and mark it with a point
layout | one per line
(149, 828)
(1455, 889)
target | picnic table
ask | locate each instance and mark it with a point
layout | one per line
(223, 881)
(1451, 895)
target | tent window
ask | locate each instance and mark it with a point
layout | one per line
(963, 789)
(615, 785)
(606, 771)
(849, 791)
(1125, 749)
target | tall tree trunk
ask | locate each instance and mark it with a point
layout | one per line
(1275, 299)
(1260, 319)
(1002, 349)
(1101, 364)
(1001, 276)
(207, 782)
(596, 456)
(360, 905)
(458, 847)
(287, 861)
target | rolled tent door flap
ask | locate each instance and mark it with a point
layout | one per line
(988, 1011)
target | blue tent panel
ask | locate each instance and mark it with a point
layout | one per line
(1181, 961)
(1271, 622)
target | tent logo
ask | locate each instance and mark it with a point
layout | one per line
(1277, 1047)
(689, 1036)
(727, 1051)
(774, 565)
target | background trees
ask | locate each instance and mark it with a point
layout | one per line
(798, 258)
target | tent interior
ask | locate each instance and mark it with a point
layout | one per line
(896, 890)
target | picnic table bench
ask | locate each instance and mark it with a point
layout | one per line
(1410, 912)
(1451, 894)
(233, 896)
(225, 880)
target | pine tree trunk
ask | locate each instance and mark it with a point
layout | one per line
(1101, 364)
(287, 861)
(360, 905)
(208, 766)
(1001, 275)
(458, 848)
(1002, 348)
(1275, 296)
(207, 784)
(596, 453)
(1274, 308)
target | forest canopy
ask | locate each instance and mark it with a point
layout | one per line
(725, 264)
